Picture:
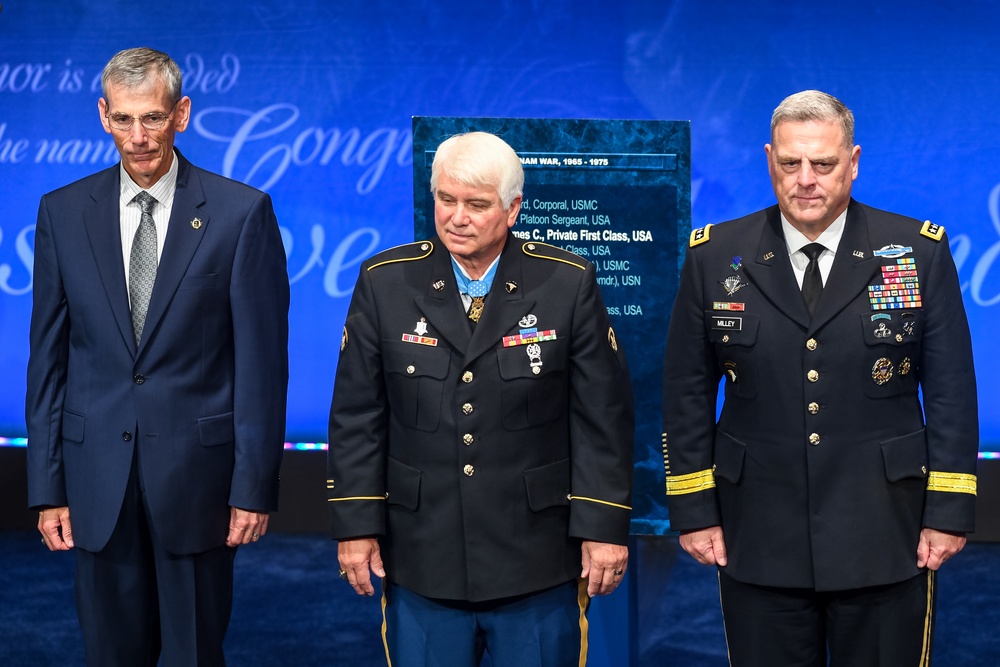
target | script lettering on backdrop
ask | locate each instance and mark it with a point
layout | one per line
(262, 146)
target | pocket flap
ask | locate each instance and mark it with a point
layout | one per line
(905, 456)
(739, 328)
(729, 455)
(217, 430)
(415, 360)
(72, 426)
(403, 484)
(548, 485)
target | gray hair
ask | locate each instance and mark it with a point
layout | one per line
(816, 106)
(480, 159)
(135, 69)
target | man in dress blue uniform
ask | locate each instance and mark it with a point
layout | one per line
(481, 432)
(156, 380)
(828, 493)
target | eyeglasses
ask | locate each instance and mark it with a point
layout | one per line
(154, 120)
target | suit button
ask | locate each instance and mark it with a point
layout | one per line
(467, 377)
(126, 436)
(410, 370)
(814, 438)
(468, 439)
(467, 409)
(139, 378)
(813, 408)
(811, 344)
(469, 470)
(813, 376)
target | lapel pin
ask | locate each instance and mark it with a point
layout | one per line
(768, 256)
(196, 223)
(511, 287)
(859, 254)
(438, 285)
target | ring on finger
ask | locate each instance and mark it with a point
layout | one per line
(343, 574)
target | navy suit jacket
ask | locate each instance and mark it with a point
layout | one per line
(204, 394)
(480, 461)
(825, 462)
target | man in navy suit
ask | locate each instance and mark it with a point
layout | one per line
(156, 380)
(841, 473)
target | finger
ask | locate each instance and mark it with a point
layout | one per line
(923, 552)
(718, 548)
(377, 566)
(361, 581)
(66, 533)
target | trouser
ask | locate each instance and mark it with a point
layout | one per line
(135, 600)
(879, 626)
(543, 629)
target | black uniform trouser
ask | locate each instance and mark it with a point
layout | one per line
(879, 626)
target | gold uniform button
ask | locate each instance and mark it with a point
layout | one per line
(814, 438)
(899, 338)
(725, 338)
(468, 439)
(467, 409)
(469, 470)
(811, 344)
(467, 377)
(813, 407)
(411, 370)
(923, 469)
(813, 376)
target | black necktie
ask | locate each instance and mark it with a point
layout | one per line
(812, 283)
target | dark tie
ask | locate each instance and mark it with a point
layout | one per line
(477, 290)
(812, 283)
(142, 263)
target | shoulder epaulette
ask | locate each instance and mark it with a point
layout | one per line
(546, 251)
(932, 231)
(402, 253)
(699, 236)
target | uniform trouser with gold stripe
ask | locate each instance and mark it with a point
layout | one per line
(880, 626)
(543, 629)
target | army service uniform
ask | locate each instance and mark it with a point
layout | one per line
(824, 464)
(480, 457)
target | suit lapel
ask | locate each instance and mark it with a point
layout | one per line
(772, 271)
(178, 249)
(102, 222)
(503, 309)
(443, 307)
(850, 273)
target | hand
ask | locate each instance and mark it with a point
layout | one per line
(705, 545)
(935, 547)
(56, 529)
(603, 565)
(245, 526)
(356, 557)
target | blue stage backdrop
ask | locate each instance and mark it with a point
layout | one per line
(312, 101)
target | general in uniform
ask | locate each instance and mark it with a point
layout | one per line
(840, 473)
